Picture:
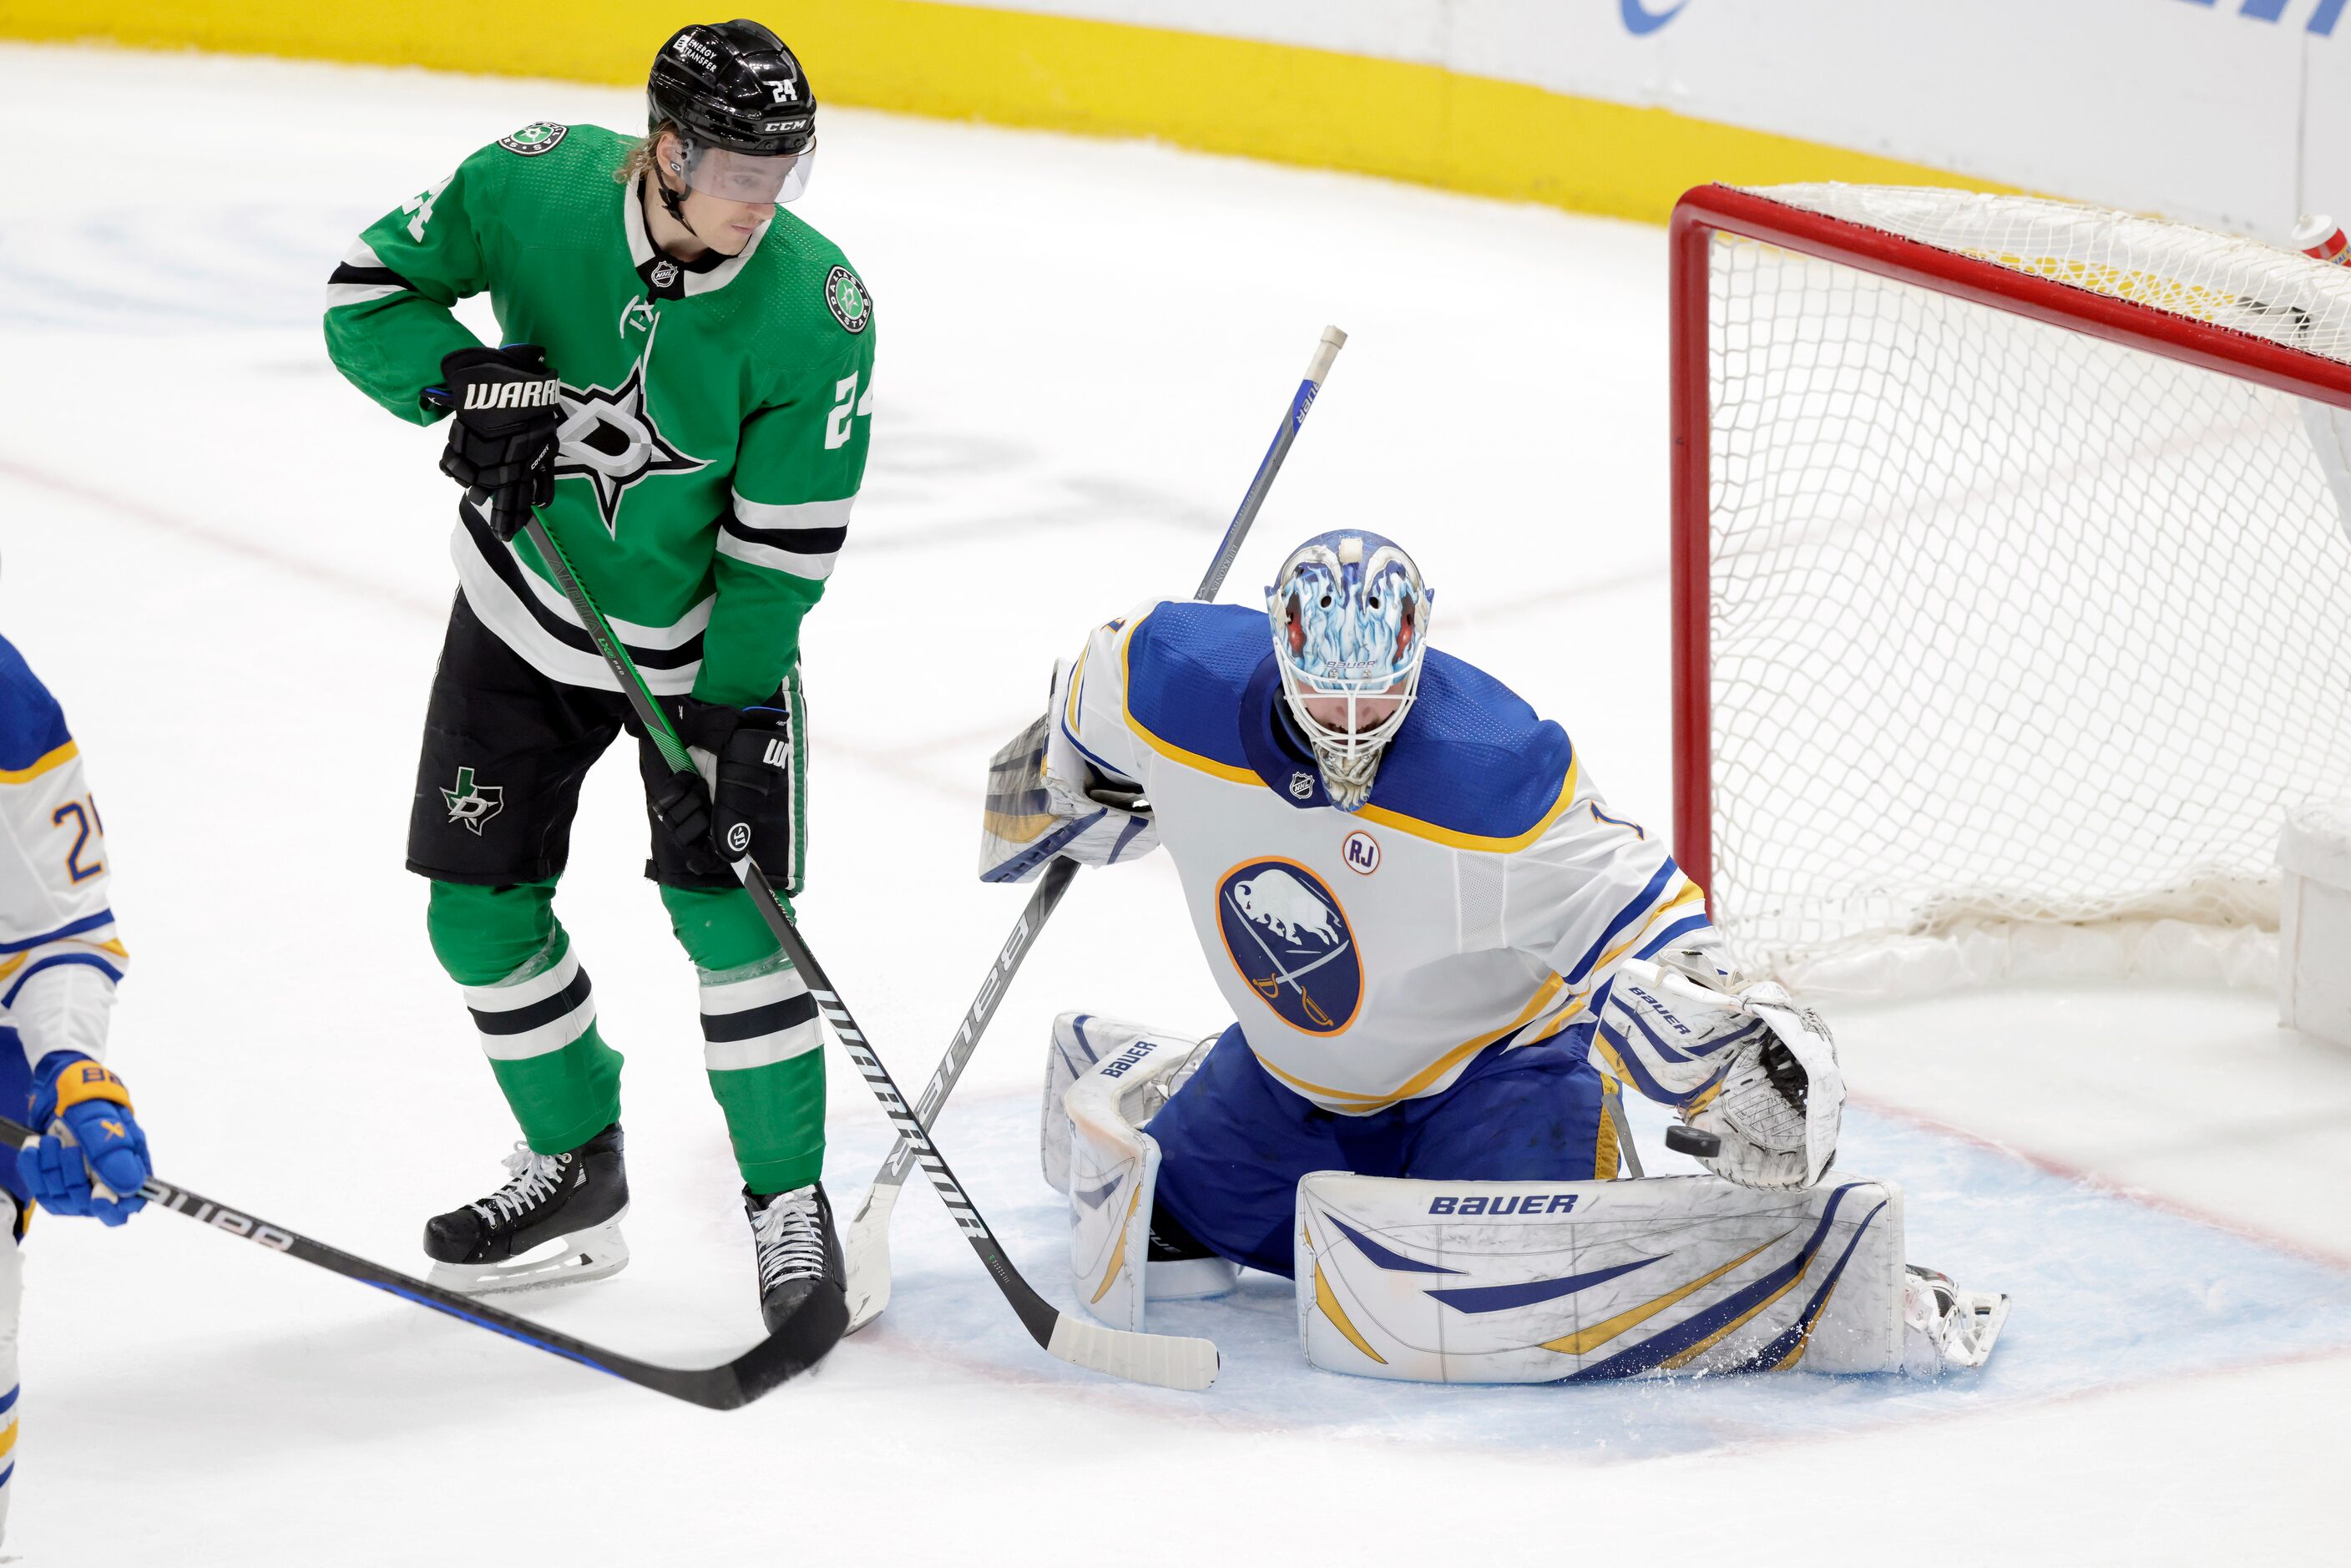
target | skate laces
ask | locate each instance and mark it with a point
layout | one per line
(534, 1181)
(789, 1236)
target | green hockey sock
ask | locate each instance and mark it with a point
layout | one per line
(761, 1042)
(532, 1005)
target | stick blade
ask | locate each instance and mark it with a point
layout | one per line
(866, 1251)
(1163, 1361)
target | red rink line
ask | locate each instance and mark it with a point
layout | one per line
(355, 583)
(2084, 1176)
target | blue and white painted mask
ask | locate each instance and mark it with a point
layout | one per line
(1350, 626)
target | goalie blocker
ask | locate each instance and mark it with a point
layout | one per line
(1445, 1281)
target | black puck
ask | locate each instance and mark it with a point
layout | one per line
(1684, 1139)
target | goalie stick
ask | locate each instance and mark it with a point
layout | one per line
(867, 1245)
(1168, 1361)
(722, 1387)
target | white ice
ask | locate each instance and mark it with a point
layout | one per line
(231, 568)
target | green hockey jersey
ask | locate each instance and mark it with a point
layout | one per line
(716, 412)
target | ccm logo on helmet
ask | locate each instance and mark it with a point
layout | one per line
(1536, 1203)
(778, 127)
(513, 394)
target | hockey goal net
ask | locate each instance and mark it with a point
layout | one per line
(2012, 587)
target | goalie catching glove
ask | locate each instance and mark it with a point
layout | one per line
(1045, 799)
(1743, 1061)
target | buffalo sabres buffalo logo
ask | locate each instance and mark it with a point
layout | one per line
(1286, 934)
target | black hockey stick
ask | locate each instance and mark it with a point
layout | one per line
(722, 1387)
(1166, 1360)
(867, 1245)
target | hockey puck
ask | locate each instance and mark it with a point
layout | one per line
(1684, 1139)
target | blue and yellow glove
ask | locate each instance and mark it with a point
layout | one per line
(92, 1157)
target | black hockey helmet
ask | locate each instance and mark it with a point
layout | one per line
(735, 86)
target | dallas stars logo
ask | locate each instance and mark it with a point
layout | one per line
(610, 437)
(472, 804)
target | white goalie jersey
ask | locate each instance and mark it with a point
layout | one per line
(1483, 896)
(60, 955)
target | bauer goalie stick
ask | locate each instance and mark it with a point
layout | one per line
(1167, 1360)
(867, 1245)
(722, 1387)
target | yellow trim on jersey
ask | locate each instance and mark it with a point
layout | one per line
(15, 961)
(1420, 1081)
(1614, 1067)
(1460, 841)
(1691, 893)
(1379, 814)
(1076, 685)
(8, 1438)
(1171, 751)
(49, 764)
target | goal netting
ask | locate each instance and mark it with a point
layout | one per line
(2013, 583)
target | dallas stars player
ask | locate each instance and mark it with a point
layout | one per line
(682, 391)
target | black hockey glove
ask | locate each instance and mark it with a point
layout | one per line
(753, 747)
(506, 405)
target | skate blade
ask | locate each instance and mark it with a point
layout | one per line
(1981, 1315)
(593, 1254)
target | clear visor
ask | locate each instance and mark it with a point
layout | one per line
(749, 178)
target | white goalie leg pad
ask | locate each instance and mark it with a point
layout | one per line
(1080, 1042)
(1430, 1282)
(1113, 1171)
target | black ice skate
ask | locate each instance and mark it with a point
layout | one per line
(557, 1221)
(803, 1285)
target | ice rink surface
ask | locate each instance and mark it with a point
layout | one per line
(233, 570)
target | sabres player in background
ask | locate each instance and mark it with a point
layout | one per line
(1435, 938)
(59, 960)
(683, 393)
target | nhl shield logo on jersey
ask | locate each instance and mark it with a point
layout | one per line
(472, 804)
(853, 307)
(535, 139)
(1286, 934)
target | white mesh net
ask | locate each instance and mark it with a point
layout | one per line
(2010, 625)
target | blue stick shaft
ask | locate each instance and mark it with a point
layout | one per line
(1301, 404)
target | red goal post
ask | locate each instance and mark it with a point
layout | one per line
(1799, 313)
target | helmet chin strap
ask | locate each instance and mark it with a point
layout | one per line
(675, 204)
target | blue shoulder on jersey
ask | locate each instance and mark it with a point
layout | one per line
(31, 724)
(1472, 759)
(1187, 666)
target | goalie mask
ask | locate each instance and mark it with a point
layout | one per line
(1349, 624)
